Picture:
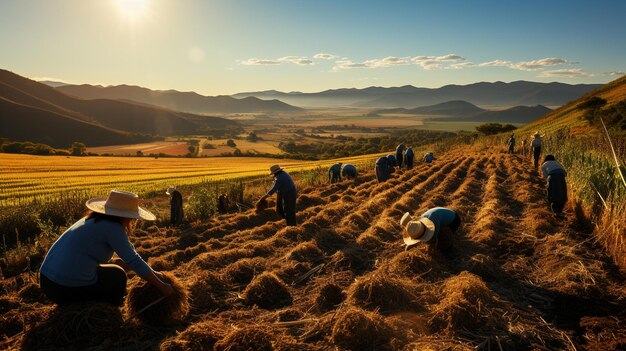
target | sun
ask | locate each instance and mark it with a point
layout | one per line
(133, 9)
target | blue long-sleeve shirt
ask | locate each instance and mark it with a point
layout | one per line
(74, 257)
(409, 152)
(441, 216)
(336, 168)
(282, 183)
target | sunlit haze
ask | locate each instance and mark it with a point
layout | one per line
(229, 46)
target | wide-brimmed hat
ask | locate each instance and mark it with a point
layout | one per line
(274, 169)
(416, 230)
(170, 190)
(120, 204)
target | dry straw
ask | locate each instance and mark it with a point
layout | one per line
(168, 311)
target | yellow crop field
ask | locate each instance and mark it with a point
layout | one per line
(26, 177)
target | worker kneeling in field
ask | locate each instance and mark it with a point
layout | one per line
(429, 157)
(349, 171)
(334, 173)
(400, 155)
(435, 227)
(77, 268)
(555, 174)
(382, 169)
(286, 194)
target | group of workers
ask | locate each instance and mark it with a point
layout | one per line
(553, 172)
(78, 266)
(403, 158)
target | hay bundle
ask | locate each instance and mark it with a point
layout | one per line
(267, 291)
(201, 336)
(32, 293)
(288, 315)
(247, 338)
(352, 257)
(357, 330)
(484, 266)
(416, 263)
(306, 252)
(168, 311)
(261, 205)
(329, 296)
(467, 304)
(379, 290)
(207, 291)
(80, 325)
(244, 270)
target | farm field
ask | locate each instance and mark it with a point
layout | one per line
(25, 177)
(516, 278)
(164, 147)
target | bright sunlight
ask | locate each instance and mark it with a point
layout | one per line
(132, 9)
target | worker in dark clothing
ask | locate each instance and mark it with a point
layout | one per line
(536, 146)
(349, 171)
(334, 173)
(222, 203)
(286, 194)
(391, 163)
(382, 169)
(176, 206)
(408, 157)
(429, 157)
(555, 174)
(511, 143)
(436, 227)
(399, 155)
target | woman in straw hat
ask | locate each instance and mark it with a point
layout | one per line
(435, 227)
(286, 194)
(77, 268)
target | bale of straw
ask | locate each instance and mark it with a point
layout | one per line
(168, 311)
(329, 296)
(247, 338)
(352, 257)
(380, 290)
(267, 291)
(77, 326)
(467, 304)
(261, 205)
(206, 291)
(416, 263)
(357, 330)
(243, 270)
(306, 252)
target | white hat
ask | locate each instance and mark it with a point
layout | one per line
(170, 190)
(120, 204)
(414, 231)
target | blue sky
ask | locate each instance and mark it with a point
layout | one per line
(228, 46)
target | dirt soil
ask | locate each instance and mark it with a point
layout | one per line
(517, 278)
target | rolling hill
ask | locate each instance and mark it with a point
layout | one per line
(180, 101)
(123, 121)
(408, 96)
(449, 108)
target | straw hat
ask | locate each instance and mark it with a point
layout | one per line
(274, 169)
(170, 190)
(120, 204)
(421, 229)
(537, 134)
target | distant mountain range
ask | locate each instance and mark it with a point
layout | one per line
(408, 96)
(180, 101)
(460, 110)
(31, 111)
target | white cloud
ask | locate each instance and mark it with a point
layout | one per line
(322, 56)
(565, 73)
(615, 73)
(259, 62)
(426, 62)
(298, 60)
(534, 65)
(462, 65)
